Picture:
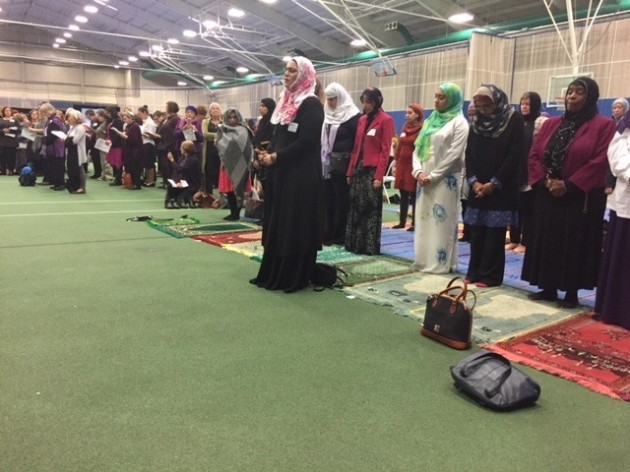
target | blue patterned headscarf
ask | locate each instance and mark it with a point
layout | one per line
(491, 126)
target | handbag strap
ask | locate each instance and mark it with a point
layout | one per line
(475, 364)
(463, 294)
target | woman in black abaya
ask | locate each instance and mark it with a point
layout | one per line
(292, 222)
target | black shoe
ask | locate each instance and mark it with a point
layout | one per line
(58, 188)
(544, 295)
(115, 183)
(398, 226)
(43, 183)
(94, 176)
(411, 228)
(231, 217)
(136, 187)
(147, 184)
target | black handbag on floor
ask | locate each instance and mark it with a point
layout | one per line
(448, 318)
(492, 381)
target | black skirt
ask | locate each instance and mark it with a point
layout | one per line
(565, 240)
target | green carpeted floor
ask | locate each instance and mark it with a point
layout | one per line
(124, 349)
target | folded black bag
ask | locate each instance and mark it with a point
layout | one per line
(492, 381)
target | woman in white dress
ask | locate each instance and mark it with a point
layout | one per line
(437, 166)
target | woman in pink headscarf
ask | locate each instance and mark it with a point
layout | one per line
(293, 218)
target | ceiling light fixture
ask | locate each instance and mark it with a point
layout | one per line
(236, 13)
(144, 54)
(357, 43)
(459, 18)
(208, 77)
(55, 45)
(242, 69)
(90, 9)
(123, 63)
(67, 35)
(269, 2)
(189, 33)
(74, 28)
(157, 48)
(60, 40)
(181, 83)
(210, 24)
(172, 41)
(132, 59)
(116, 67)
(80, 19)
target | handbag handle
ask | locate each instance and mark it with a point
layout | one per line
(463, 294)
(474, 365)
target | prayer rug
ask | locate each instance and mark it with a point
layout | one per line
(188, 220)
(192, 230)
(224, 239)
(501, 312)
(583, 350)
(374, 268)
(252, 249)
(336, 255)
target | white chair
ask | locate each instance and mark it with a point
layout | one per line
(389, 179)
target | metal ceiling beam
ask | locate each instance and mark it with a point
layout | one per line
(330, 47)
(168, 27)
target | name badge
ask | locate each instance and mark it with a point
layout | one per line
(402, 135)
(293, 127)
(372, 132)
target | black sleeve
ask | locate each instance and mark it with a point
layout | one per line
(310, 119)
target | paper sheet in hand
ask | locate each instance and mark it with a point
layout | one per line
(60, 134)
(183, 183)
(28, 134)
(101, 145)
(189, 134)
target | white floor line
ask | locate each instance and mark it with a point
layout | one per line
(131, 213)
(64, 202)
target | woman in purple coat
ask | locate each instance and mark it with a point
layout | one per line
(567, 170)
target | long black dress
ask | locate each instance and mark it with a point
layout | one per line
(293, 215)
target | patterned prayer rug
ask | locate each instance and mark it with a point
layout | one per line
(192, 230)
(225, 239)
(374, 268)
(588, 352)
(500, 313)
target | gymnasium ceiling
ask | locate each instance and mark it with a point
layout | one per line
(258, 40)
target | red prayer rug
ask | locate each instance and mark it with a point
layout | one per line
(230, 238)
(583, 350)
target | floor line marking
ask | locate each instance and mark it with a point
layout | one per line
(112, 212)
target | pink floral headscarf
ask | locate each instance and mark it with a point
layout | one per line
(292, 97)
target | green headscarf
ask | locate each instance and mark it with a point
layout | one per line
(437, 120)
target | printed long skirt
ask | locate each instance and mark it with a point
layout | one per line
(363, 230)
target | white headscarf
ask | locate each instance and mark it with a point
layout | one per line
(293, 96)
(346, 108)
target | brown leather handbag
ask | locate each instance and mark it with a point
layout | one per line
(448, 317)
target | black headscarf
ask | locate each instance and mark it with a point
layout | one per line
(375, 96)
(535, 106)
(264, 129)
(573, 120)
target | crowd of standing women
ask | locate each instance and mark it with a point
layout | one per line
(321, 165)
(544, 179)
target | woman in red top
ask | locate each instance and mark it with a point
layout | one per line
(405, 182)
(366, 171)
